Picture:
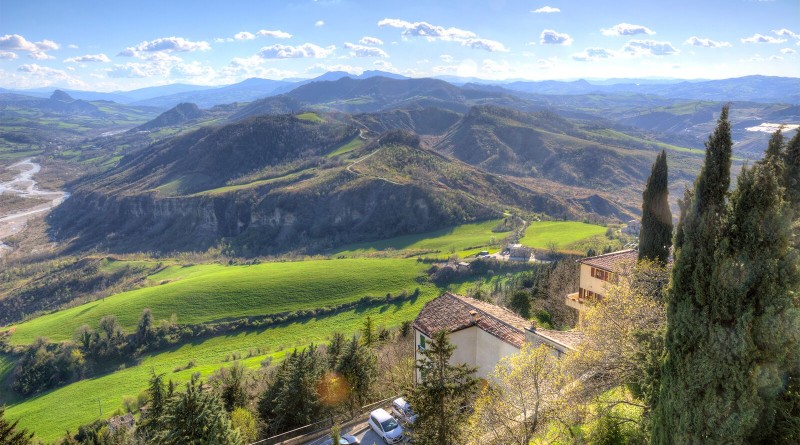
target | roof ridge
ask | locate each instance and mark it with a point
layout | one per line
(510, 312)
(607, 254)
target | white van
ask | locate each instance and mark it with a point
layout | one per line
(385, 426)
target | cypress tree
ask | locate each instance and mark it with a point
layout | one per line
(655, 238)
(681, 415)
(730, 375)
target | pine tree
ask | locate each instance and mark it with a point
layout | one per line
(149, 421)
(10, 434)
(196, 416)
(655, 238)
(292, 400)
(368, 336)
(681, 415)
(358, 366)
(441, 394)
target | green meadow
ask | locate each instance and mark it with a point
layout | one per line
(51, 413)
(212, 292)
(463, 240)
(540, 234)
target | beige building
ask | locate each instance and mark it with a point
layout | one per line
(482, 332)
(595, 274)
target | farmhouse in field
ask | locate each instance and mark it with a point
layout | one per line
(595, 274)
(482, 332)
(518, 252)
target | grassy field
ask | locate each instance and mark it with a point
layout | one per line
(353, 144)
(51, 413)
(540, 234)
(205, 293)
(464, 239)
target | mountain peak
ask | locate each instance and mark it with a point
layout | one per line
(61, 96)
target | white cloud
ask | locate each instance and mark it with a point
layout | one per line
(485, 44)
(321, 67)
(138, 70)
(319, 23)
(88, 58)
(306, 50)
(278, 34)
(7, 55)
(495, 68)
(365, 51)
(72, 46)
(758, 38)
(546, 10)
(36, 50)
(783, 32)
(47, 45)
(706, 43)
(165, 44)
(428, 31)
(592, 54)
(34, 68)
(367, 40)
(434, 32)
(16, 42)
(775, 58)
(49, 75)
(194, 69)
(626, 29)
(39, 55)
(550, 37)
(650, 47)
(788, 51)
(446, 58)
(244, 35)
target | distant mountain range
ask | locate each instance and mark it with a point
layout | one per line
(748, 88)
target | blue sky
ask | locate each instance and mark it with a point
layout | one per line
(108, 45)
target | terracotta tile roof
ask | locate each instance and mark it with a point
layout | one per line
(570, 339)
(451, 313)
(610, 261)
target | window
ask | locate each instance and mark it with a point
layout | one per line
(584, 294)
(601, 274)
(421, 342)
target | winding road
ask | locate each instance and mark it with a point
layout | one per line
(23, 185)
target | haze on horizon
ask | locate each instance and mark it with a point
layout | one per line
(102, 46)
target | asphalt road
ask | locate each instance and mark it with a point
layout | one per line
(362, 431)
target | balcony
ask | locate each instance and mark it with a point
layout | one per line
(574, 301)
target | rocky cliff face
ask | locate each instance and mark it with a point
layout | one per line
(261, 221)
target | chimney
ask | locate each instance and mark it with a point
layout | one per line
(473, 314)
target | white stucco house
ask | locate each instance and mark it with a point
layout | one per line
(482, 332)
(595, 274)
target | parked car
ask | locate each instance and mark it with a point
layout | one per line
(402, 410)
(344, 440)
(385, 426)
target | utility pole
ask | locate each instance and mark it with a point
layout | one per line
(101, 408)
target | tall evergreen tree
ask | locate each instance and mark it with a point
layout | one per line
(681, 415)
(358, 366)
(441, 394)
(730, 374)
(292, 399)
(196, 416)
(655, 238)
(368, 336)
(150, 420)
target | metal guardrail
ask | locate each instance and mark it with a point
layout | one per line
(315, 430)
